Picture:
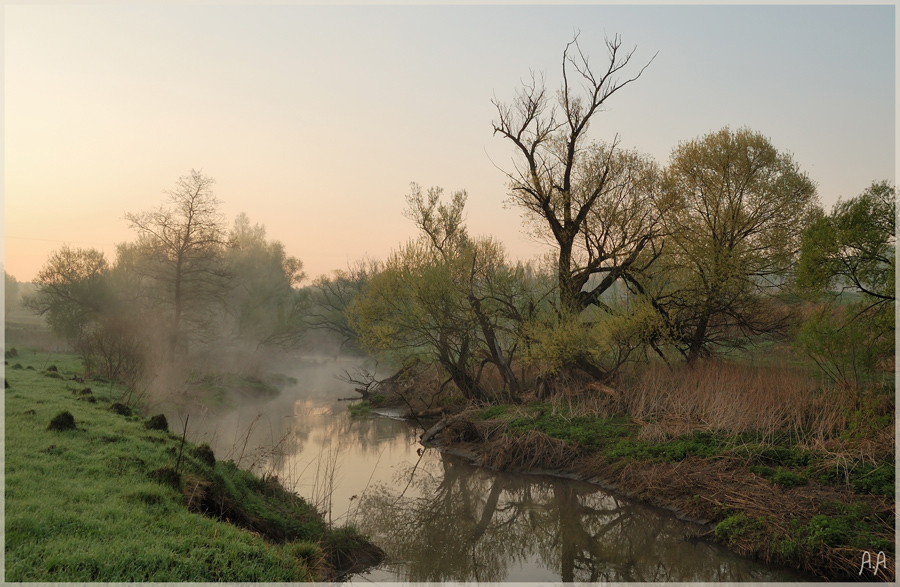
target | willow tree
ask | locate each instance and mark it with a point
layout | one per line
(447, 299)
(180, 246)
(733, 238)
(595, 203)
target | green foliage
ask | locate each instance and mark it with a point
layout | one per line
(847, 343)
(448, 300)
(739, 208)
(362, 408)
(863, 477)
(263, 302)
(72, 290)
(736, 527)
(492, 412)
(787, 479)
(588, 432)
(698, 444)
(604, 339)
(854, 246)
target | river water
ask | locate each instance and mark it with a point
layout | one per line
(440, 518)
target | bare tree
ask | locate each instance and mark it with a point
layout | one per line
(180, 245)
(563, 183)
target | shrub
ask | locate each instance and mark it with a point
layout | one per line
(360, 409)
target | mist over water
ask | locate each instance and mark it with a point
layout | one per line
(438, 517)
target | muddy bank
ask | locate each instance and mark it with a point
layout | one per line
(797, 527)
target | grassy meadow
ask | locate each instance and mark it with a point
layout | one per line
(114, 500)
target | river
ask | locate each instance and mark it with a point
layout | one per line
(439, 518)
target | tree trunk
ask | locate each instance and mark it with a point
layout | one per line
(509, 378)
(697, 340)
(568, 292)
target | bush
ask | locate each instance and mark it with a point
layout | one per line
(115, 348)
(167, 476)
(846, 344)
(360, 409)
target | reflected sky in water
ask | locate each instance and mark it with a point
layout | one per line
(441, 519)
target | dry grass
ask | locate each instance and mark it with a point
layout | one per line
(772, 401)
(529, 451)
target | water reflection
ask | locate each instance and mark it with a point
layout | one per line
(468, 524)
(441, 519)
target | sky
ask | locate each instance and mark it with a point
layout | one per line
(315, 119)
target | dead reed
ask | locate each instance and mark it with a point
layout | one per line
(529, 451)
(776, 402)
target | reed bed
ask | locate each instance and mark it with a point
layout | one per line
(775, 402)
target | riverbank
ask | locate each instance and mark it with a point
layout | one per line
(777, 503)
(97, 492)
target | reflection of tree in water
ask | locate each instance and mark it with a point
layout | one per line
(471, 524)
(457, 530)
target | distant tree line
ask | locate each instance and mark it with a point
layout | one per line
(724, 247)
(186, 282)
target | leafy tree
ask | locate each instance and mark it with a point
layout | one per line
(732, 239)
(853, 249)
(72, 291)
(596, 203)
(446, 299)
(264, 302)
(332, 298)
(180, 246)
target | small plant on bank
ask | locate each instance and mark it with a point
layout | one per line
(362, 408)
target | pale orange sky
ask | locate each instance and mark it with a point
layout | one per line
(314, 119)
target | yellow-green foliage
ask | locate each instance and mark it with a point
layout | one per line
(607, 339)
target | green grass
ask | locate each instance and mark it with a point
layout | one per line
(359, 409)
(91, 504)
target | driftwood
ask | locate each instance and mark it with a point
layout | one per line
(433, 431)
